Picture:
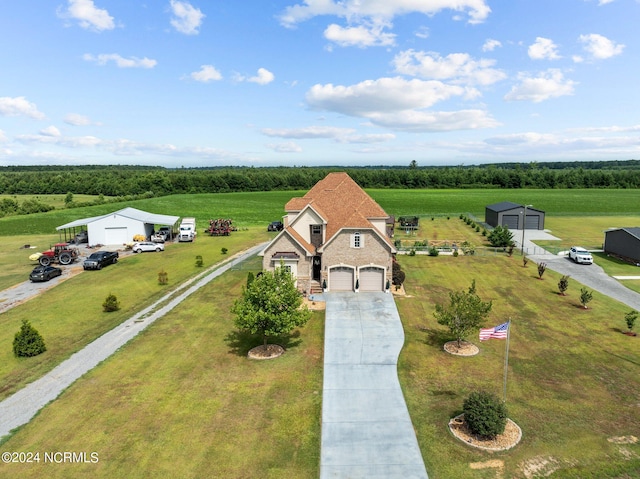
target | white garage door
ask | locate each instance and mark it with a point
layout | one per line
(341, 279)
(372, 279)
(115, 236)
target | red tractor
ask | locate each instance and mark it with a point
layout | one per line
(60, 253)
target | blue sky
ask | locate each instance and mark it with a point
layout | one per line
(318, 82)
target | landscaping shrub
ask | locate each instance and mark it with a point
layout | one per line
(163, 277)
(542, 267)
(500, 237)
(397, 275)
(585, 297)
(224, 250)
(28, 342)
(630, 319)
(433, 251)
(110, 304)
(199, 261)
(563, 285)
(485, 414)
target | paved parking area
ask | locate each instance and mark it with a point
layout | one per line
(366, 428)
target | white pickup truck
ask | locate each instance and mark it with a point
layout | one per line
(580, 255)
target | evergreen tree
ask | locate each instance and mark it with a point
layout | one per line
(28, 342)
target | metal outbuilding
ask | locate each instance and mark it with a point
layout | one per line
(119, 227)
(623, 242)
(511, 215)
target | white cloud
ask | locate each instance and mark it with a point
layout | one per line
(548, 84)
(186, 18)
(88, 15)
(361, 36)
(263, 77)
(50, 131)
(426, 121)
(3, 137)
(340, 135)
(382, 95)
(19, 106)
(309, 132)
(423, 32)
(77, 120)
(459, 67)
(543, 49)
(399, 104)
(206, 74)
(120, 61)
(490, 45)
(600, 47)
(385, 10)
(289, 147)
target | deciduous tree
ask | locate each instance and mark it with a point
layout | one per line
(270, 305)
(465, 313)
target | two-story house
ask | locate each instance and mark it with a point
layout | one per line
(335, 235)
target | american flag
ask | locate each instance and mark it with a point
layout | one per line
(498, 332)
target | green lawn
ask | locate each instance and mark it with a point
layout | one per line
(183, 400)
(183, 397)
(572, 382)
(70, 315)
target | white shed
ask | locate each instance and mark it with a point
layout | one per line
(121, 226)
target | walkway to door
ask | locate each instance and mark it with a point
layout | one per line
(366, 428)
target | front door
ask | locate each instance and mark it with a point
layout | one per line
(317, 268)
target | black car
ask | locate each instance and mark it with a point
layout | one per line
(275, 226)
(44, 273)
(99, 259)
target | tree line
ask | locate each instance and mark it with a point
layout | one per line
(119, 181)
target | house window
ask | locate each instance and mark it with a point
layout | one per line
(316, 229)
(357, 240)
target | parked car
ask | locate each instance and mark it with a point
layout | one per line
(157, 238)
(44, 273)
(82, 237)
(99, 259)
(580, 255)
(166, 232)
(275, 226)
(141, 246)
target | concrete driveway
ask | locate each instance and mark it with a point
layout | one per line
(591, 275)
(366, 428)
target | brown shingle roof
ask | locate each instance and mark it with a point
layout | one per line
(341, 202)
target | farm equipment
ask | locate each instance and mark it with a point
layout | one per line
(60, 253)
(220, 227)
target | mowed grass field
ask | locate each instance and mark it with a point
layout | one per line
(183, 400)
(573, 384)
(183, 397)
(69, 316)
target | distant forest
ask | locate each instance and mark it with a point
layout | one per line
(140, 181)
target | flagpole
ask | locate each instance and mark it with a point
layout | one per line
(506, 363)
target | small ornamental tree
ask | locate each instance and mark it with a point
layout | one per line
(465, 313)
(199, 261)
(542, 267)
(397, 275)
(563, 285)
(28, 342)
(630, 319)
(110, 304)
(270, 306)
(585, 297)
(500, 237)
(485, 414)
(525, 260)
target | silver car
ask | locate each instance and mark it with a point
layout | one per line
(147, 246)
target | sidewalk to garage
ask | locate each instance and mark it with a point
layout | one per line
(366, 428)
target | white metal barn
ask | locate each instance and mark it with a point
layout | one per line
(119, 227)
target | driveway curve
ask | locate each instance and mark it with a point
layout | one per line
(592, 276)
(366, 428)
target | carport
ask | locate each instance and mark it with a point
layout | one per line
(117, 228)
